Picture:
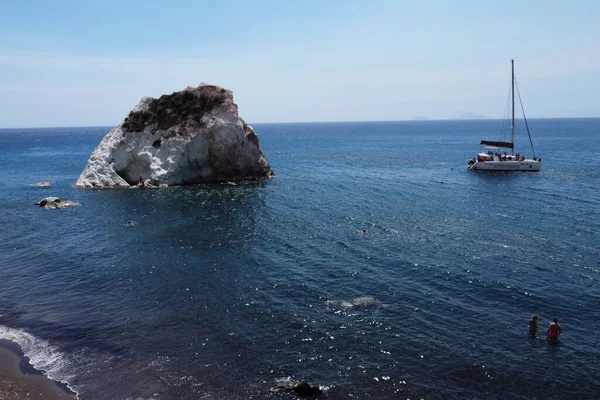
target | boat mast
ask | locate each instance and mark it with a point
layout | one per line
(512, 82)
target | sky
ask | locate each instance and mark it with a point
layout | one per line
(82, 63)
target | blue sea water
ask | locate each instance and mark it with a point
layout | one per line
(221, 291)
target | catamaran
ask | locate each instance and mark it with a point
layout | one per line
(496, 157)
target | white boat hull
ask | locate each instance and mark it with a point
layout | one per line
(525, 165)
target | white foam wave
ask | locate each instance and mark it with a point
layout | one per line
(42, 355)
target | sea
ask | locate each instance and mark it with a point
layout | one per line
(374, 266)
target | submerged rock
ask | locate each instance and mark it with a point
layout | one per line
(365, 301)
(191, 136)
(301, 388)
(54, 202)
(335, 303)
(41, 184)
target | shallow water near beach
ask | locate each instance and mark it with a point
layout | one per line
(221, 291)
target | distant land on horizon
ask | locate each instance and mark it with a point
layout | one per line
(466, 115)
(470, 115)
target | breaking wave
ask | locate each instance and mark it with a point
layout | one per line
(42, 355)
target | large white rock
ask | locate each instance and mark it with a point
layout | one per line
(188, 137)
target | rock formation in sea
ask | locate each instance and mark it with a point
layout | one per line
(50, 203)
(188, 137)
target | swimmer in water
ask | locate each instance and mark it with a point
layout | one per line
(554, 331)
(533, 326)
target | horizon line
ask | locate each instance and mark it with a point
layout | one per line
(318, 122)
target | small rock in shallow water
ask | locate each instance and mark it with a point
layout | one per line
(339, 304)
(301, 388)
(47, 200)
(54, 202)
(41, 184)
(365, 301)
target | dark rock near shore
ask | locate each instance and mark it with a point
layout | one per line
(301, 388)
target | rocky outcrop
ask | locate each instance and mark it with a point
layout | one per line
(50, 203)
(188, 137)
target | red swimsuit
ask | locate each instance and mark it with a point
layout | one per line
(553, 331)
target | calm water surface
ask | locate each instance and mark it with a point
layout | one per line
(221, 291)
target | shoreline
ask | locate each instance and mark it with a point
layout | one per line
(17, 384)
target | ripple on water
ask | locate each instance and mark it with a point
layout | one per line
(220, 290)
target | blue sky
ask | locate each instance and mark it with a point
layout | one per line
(70, 63)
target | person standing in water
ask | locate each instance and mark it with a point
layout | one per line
(533, 326)
(554, 331)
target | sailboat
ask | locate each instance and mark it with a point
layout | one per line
(496, 156)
